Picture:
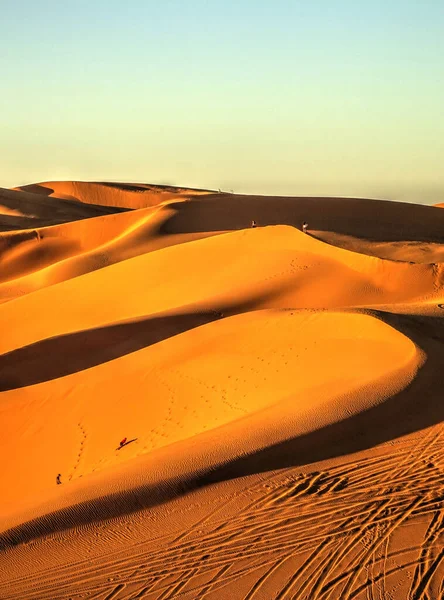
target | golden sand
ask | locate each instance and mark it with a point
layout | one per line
(280, 395)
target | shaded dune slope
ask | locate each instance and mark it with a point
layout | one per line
(79, 247)
(72, 249)
(123, 195)
(83, 338)
(280, 394)
(208, 211)
(404, 251)
(23, 210)
(375, 220)
(268, 267)
(188, 367)
(87, 245)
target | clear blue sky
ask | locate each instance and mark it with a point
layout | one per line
(338, 97)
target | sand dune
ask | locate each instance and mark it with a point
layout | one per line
(65, 251)
(124, 195)
(374, 220)
(221, 384)
(293, 270)
(24, 210)
(280, 394)
(403, 251)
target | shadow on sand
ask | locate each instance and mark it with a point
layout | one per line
(413, 409)
(66, 354)
(366, 219)
(73, 352)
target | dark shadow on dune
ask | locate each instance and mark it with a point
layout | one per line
(126, 187)
(37, 188)
(411, 410)
(149, 187)
(375, 220)
(73, 352)
(12, 223)
(40, 210)
(66, 354)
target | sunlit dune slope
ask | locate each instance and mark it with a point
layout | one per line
(125, 195)
(31, 260)
(306, 366)
(71, 249)
(267, 267)
(376, 220)
(280, 395)
(22, 210)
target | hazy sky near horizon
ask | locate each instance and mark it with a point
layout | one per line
(332, 97)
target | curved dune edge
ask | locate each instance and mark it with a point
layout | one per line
(122, 195)
(206, 210)
(18, 247)
(197, 382)
(229, 272)
(46, 256)
(183, 543)
(25, 209)
(280, 394)
(402, 251)
(64, 252)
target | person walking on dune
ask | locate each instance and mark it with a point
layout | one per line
(58, 479)
(253, 223)
(304, 226)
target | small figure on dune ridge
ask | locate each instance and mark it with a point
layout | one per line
(253, 223)
(123, 442)
(304, 226)
(58, 479)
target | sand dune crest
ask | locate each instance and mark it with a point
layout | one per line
(280, 395)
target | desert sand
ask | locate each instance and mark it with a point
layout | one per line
(280, 394)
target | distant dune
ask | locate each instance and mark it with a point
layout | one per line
(278, 395)
(24, 210)
(123, 195)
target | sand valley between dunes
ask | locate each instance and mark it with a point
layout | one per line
(281, 396)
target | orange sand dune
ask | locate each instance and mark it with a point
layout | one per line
(280, 394)
(125, 195)
(375, 220)
(30, 261)
(204, 210)
(222, 384)
(23, 210)
(404, 251)
(293, 270)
